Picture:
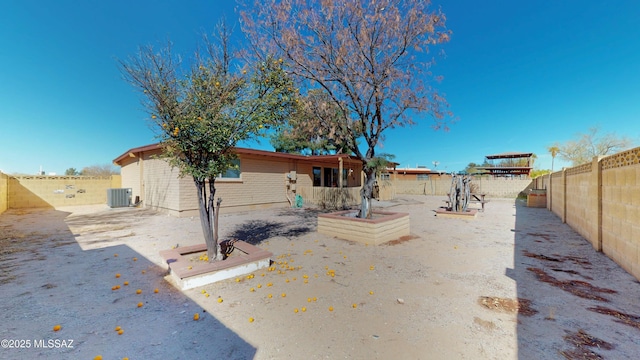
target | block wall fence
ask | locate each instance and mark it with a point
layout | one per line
(493, 187)
(22, 192)
(601, 201)
(4, 192)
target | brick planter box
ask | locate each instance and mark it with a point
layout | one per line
(384, 227)
(537, 198)
(187, 274)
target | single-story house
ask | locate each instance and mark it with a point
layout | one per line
(263, 179)
(411, 174)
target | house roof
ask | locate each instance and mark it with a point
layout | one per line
(509, 155)
(414, 170)
(245, 151)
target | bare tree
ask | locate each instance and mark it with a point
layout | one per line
(97, 170)
(591, 144)
(369, 57)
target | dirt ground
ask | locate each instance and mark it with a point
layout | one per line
(513, 283)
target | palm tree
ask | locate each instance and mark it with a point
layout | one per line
(554, 150)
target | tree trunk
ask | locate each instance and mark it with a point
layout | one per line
(208, 218)
(366, 193)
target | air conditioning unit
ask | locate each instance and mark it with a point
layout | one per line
(118, 197)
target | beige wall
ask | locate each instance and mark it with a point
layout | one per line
(55, 191)
(601, 201)
(262, 184)
(4, 192)
(493, 187)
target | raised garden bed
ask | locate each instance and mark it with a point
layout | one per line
(187, 272)
(385, 226)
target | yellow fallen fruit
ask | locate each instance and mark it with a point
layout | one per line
(118, 328)
(126, 283)
(143, 271)
(303, 309)
(269, 296)
(202, 291)
(120, 332)
(98, 357)
(139, 291)
(308, 299)
(206, 295)
(57, 328)
(251, 319)
(196, 316)
(372, 267)
(295, 310)
(117, 276)
(259, 286)
(140, 304)
(330, 308)
(252, 290)
(219, 300)
(354, 305)
(135, 259)
(370, 292)
(156, 290)
(115, 255)
(284, 295)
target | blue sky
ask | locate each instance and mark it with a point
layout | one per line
(518, 76)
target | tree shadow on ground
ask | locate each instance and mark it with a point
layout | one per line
(45, 272)
(257, 231)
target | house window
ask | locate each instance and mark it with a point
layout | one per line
(233, 172)
(330, 177)
(386, 176)
(423, 176)
(317, 176)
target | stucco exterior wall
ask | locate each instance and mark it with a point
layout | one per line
(130, 172)
(161, 185)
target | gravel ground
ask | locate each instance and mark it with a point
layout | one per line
(513, 283)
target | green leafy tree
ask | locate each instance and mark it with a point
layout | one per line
(203, 111)
(367, 57)
(314, 128)
(71, 172)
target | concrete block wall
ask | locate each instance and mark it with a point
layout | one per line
(4, 192)
(581, 215)
(493, 187)
(601, 201)
(621, 209)
(55, 191)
